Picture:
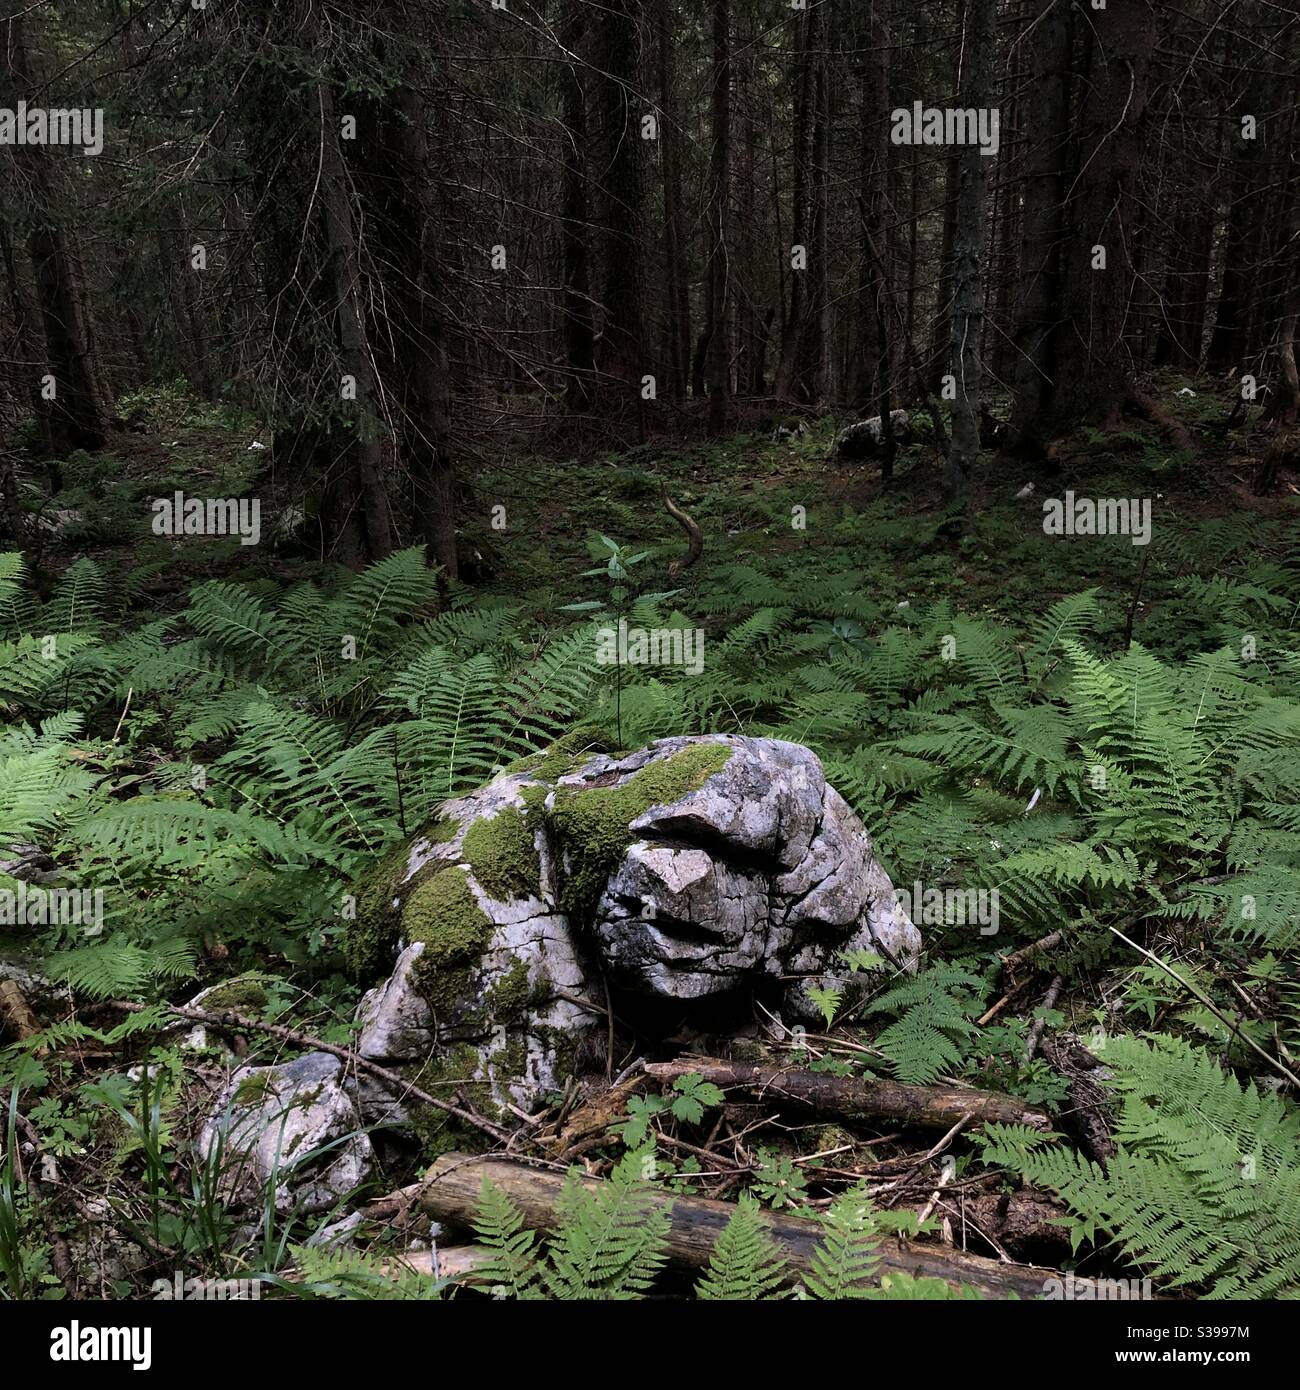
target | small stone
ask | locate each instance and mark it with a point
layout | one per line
(271, 1123)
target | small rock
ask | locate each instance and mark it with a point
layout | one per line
(273, 1123)
(337, 1235)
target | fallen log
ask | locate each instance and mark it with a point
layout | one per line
(459, 1263)
(452, 1187)
(16, 1014)
(858, 1098)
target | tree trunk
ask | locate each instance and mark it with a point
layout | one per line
(621, 185)
(678, 306)
(579, 335)
(358, 484)
(795, 378)
(78, 416)
(26, 345)
(420, 369)
(1094, 359)
(719, 196)
(968, 254)
(1037, 300)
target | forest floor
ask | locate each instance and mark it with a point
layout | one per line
(815, 552)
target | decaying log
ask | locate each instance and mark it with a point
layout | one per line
(1088, 1114)
(851, 1097)
(1172, 431)
(459, 1263)
(452, 1187)
(16, 1014)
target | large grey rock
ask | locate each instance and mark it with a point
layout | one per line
(694, 868)
(864, 439)
(295, 1123)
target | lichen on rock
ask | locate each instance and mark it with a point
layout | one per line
(692, 868)
(293, 1128)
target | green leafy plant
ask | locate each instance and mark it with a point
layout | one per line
(1205, 1188)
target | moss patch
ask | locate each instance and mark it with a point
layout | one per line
(240, 994)
(508, 999)
(442, 830)
(591, 823)
(563, 756)
(444, 914)
(369, 943)
(253, 1090)
(500, 850)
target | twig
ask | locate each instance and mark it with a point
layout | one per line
(1036, 1030)
(1009, 963)
(130, 690)
(1209, 1004)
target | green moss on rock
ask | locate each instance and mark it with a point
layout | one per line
(253, 1090)
(442, 830)
(565, 755)
(501, 852)
(509, 998)
(591, 823)
(370, 940)
(242, 993)
(444, 914)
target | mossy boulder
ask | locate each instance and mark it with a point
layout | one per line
(694, 867)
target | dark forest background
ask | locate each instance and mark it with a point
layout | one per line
(456, 206)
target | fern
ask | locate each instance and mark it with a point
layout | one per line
(844, 1262)
(745, 1264)
(612, 1237)
(933, 1028)
(513, 1268)
(1205, 1188)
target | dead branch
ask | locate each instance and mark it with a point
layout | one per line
(695, 537)
(453, 1185)
(228, 1019)
(919, 1107)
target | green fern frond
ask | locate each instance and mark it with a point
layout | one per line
(745, 1264)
